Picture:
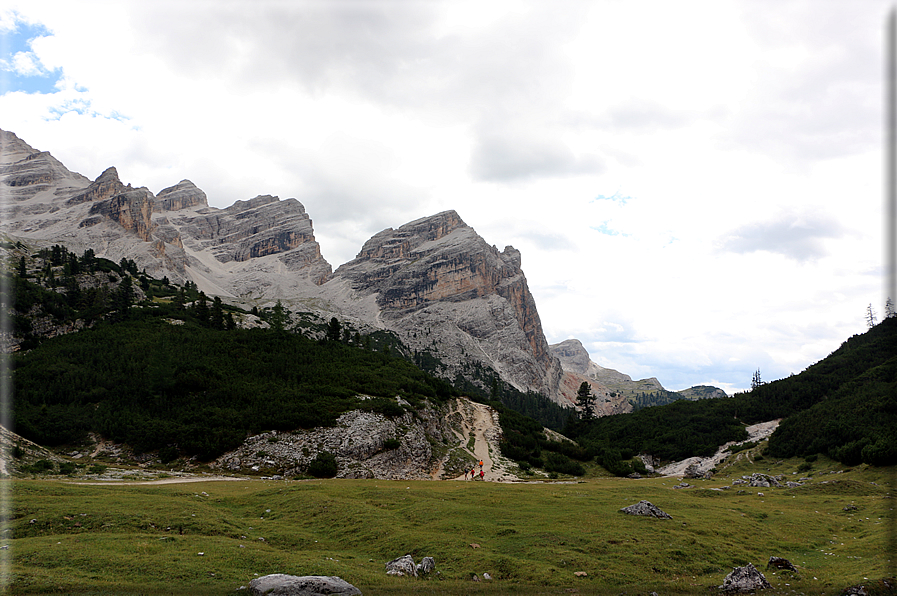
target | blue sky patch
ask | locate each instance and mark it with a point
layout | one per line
(604, 229)
(616, 198)
(20, 68)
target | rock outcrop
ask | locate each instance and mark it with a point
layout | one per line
(444, 290)
(279, 584)
(402, 566)
(366, 445)
(645, 508)
(744, 579)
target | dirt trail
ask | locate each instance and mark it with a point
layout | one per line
(481, 422)
(159, 481)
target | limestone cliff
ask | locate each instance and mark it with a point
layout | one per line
(443, 289)
(260, 248)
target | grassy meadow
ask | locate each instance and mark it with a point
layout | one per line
(147, 539)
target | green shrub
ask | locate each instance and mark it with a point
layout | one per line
(39, 467)
(96, 469)
(392, 444)
(168, 454)
(561, 464)
(66, 468)
(323, 466)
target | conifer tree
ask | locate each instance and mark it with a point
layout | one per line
(584, 401)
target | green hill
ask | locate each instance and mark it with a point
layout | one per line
(844, 406)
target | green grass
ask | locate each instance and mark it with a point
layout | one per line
(532, 537)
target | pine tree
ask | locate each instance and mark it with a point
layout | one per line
(755, 381)
(333, 330)
(870, 316)
(584, 401)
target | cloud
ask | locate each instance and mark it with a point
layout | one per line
(510, 156)
(800, 237)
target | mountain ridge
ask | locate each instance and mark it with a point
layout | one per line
(433, 281)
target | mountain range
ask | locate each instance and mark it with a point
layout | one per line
(434, 282)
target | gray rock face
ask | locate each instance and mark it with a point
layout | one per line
(402, 566)
(647, 509)
(182, 195)
(745, 579)
(279, 584)
(436, 281)
(175, 234)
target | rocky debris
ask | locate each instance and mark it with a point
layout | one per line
(745, 579)
(683, 485)
(695, 471)
(792, 484)
(780, 563)
(580, 574)
(486, 576)
(762, 480)
(358, 440)
(402, 566)
(426, 566)
(647, 509)
(279, 584)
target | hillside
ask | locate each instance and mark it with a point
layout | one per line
(844, 406)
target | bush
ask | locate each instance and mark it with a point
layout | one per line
(96, 469)
(66, 468)
(39, 467)
(561, 464)
(168, 454)
(392, 444)
(323, 466)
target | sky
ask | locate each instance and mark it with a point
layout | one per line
(696, 188)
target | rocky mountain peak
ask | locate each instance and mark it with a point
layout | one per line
(572, 355)
(105, 186)
(436, 273)
(182, 195)
(398, 244)
(13, 149)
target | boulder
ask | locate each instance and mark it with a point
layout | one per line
(402, 566)
(780, 563)
(279, 584)
(745, 579)
(645, 508)
(763, 480)
(426, 566)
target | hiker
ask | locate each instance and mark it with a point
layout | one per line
(481, 474)
(481, 465)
